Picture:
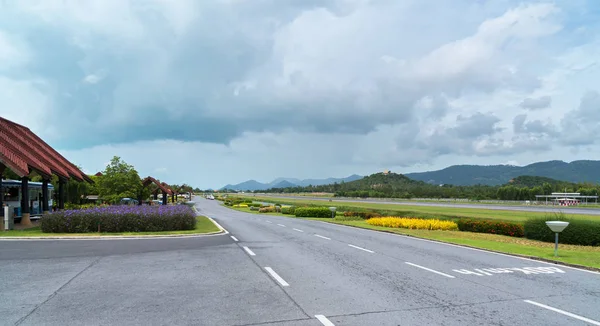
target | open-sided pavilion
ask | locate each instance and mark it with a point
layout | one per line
(23, 152)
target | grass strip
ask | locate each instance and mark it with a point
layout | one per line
(571, 254)
(426, 211)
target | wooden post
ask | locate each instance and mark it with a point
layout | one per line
(165, 197)
(25, 216)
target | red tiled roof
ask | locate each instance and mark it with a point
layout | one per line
(22, 151)
(148, 180)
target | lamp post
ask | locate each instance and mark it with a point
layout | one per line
(332, 209)
(556, 227)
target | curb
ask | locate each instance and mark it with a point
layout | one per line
(550, 261)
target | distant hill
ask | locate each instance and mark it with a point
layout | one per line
(463, 175)
(252, 185)
(380, 181)
(533, 181)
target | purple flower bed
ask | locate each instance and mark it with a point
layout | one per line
(120, 219)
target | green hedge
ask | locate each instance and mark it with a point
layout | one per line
(579, 232)
(491, 226)
(363, 215)
(312, 212)
(288, 210)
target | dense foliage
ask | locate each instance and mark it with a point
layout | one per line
(312, 212)
(120, 219)
(394, 185)
(579, 232)
(491, 226)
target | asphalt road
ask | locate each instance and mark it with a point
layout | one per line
(522, 208)
(273, 270)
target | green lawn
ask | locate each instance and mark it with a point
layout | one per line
(408, 210)
(203, 225)
(572, 254)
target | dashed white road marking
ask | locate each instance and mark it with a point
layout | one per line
(276, 276)
(324, 320)
(322, 237)
(281, 225)
(298, 230)
(269, 222)
(357, 247)
(250, 252)
(234, 238)
(566, 313)
(431, 270)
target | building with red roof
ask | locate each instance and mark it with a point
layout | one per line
(23, 152)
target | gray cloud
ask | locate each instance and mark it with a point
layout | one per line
(536, 103)
(132, 73)
(580, 126)
(535, 127)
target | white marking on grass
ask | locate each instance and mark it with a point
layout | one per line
(357, 247)
(324, 320)
(429, 269)
(234, 238)
(566, 313)
(276, 276)
(250, 252)
(322, 237)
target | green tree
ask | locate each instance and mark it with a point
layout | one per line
(120, 180)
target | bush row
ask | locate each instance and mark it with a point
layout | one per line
(291, 210)
(363, 215)
(412, 223)
(579, 232)
(491, 226)
(120, 219)
(312, 212)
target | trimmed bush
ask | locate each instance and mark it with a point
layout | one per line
(254, 208)
(348, 218)
(491, 226)
(363, 215)
(312, 212)
(268, 209)
(120, 219)
(288, 210)
(412, 223)
(579, 232)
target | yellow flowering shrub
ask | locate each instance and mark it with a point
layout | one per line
(412, 223)
(240, 205)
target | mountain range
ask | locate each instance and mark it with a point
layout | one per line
(459, 175)
(252, 185)
(464, 175)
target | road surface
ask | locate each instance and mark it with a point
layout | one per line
(271, 270)
(522, 208)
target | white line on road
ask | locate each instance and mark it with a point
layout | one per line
(357, 247)
(281, 225)
(322, 237)
(269, 222)
(431, 270)
(276, 276)
(234, 238)
(250, 252)
(298, 230)
(324, 320)
(463, 247)
(587, 320)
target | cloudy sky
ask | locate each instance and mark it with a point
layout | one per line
(220, 91)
